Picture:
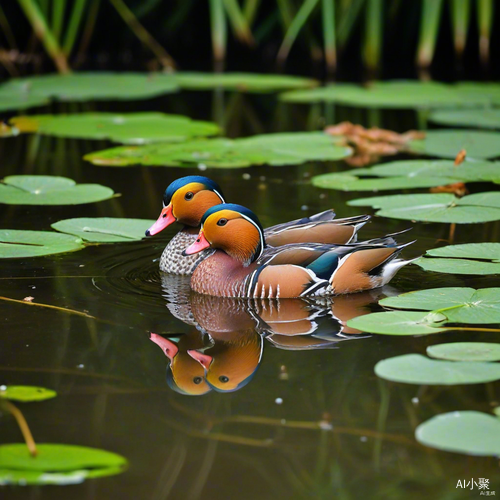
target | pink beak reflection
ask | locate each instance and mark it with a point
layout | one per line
(167, 346)
(203, 359)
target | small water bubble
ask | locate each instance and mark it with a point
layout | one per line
(202, 166)
(246, 176)
(283, 421)
(81, 365)
(322, 196)
(32, 287)
(27, 345)
(304, 207)
(3, 387)
(325, 426)
(283, 373)
(278, 401)
(81, 265)
(363, 439)
(415, 401)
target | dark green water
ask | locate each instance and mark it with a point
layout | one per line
(309, 424)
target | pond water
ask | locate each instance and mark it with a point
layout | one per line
(309, 418)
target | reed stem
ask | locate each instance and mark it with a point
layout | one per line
(73, 26)
(374, 30)
(485, 21)
(23, 425)
(328, 17)
(429, 29)
(238, 21)
(460, 12)
(219, 30)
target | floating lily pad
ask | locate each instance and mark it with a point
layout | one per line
(272, 149)
(17, 243)
(469, 432)
(392, 94)
(459, 259)
(465, 351)
(459, 305)
(13, 100)
(480, 118)
(417, 369)
(130, 128)
(88, 86)
(56, 464)
(398, 323)
(104, 229)
(447, 143)
(485, 89)
(242, 82)
(440, 207)
(49, 190)
(26, 393)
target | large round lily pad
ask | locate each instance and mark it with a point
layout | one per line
(130, 128)
(23, 243)
(468, 258)
(56, 464)
(459, 305)
(391, 94)
(486, 89)
(447, 143)
(440, 207)
(104, 229)
(49, 190)
(466, 351)
(271, 149)
(13, 100)
(26, 393)
(469, 432)
(479, 118)
(417, 369)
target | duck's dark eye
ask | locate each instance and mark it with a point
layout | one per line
(222, 222)
(189, 195)
(197, 380)
(223, 379)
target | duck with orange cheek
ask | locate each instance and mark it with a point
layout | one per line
(242, 265)
(188, 198)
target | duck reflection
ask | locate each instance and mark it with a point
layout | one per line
(224, 349)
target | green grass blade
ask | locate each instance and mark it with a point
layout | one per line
(238, 21)
(460, 13)
(88, 29)
(250, 8)
(485, 21)
(286, 12)
(429, 30)
(219, 29)
(294, 29)
(374, 32)
(73, 26)
(42, 31)
(348, 18)
(58, 9)
(328, 17)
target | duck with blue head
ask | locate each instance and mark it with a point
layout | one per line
(243, 266)
(188, 198)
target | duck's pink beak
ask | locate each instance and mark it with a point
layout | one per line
(167, 346)
(203, 359)
(164, 220)
(200, 244)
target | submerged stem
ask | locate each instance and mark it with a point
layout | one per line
(23, 425)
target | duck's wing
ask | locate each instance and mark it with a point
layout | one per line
(319, 228)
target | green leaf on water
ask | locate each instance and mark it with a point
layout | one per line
(398, 323)
(242, 82)
(440, 207)
(479, 118)
(26, 393)
(465, 351)
(104, 229)
(447, 143)
(56, 464)
(459, 259)
(129, 128)
(49, 190)
(469, 432)
(13, 100)
(272, 149)
(22, 243)
(417, 369)
(459, 305)
(489, 90)
(411, 94)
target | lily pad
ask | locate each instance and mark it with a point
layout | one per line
(398, 323)
(130, 128)
(459, 305)
(271, 149)
(26, 393)
(479, 118)
(14, 100)
(465, 351)
(16, 243)
(56, 464)
(417, 369)
(469, 432)
(447, 143)
(440, 207)
(486, 89)
(469, 258)
(49, 190)
(410, 94)
(242, 82)
(86, 86)
(104, 229)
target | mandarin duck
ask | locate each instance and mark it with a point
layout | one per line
(186, 200)
(244, 266)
